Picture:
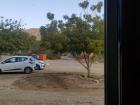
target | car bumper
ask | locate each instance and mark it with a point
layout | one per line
(42, 67)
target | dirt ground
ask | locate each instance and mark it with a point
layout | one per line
(30, 93)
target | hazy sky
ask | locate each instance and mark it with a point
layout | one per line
(33, 12)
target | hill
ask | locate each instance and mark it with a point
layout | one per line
(34, 32)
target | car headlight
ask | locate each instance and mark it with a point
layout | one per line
(42, 64)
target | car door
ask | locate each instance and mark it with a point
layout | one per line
(20, 63)
(9, 65)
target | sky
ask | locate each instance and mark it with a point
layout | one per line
(33, 12)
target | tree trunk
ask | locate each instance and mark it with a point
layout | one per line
(88, 73)
(88, 65)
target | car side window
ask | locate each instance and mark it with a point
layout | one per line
(24, 59)
(10, 60)
(21, 59)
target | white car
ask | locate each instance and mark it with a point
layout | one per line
(18, 64)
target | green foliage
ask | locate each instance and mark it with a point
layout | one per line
(50, 16)
(85, 37)
(13, 39)
(52, 55)
(84, 4)
(97, 7)
(53, 37)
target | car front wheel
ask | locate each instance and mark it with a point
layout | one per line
(27, 70)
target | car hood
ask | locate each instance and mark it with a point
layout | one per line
(41, 61)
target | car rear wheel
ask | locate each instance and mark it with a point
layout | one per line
(27, 70)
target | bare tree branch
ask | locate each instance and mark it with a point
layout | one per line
(78, 59)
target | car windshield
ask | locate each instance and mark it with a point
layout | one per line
(35, 57)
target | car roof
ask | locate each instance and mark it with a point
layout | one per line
(20, 56)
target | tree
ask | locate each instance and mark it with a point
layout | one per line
(85, 36)
(52, 38)
(80, 42)
(82, 35)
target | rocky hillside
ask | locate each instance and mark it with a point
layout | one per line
(34, 32)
